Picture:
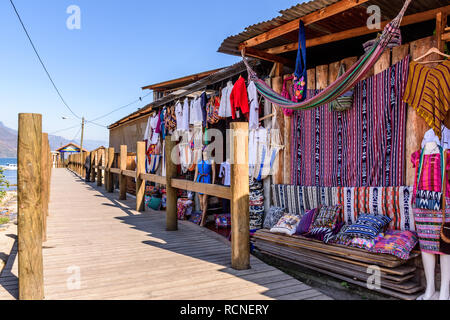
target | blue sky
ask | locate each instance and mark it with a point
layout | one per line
(121, 46)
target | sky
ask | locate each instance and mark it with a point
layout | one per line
(120, 47)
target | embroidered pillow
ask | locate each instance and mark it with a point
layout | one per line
(305, 223)
(273, 216)
(368, 226)
(287, 225)
(366, 244)
(397, 243)
(327, 217)
(324, 234)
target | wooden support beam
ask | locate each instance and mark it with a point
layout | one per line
(240, 220)
(153, 178)
(129, 173)
(171, 192)
(360, 31)
(209, 189)
(260, 54)
(446, 37)
(315, 16)
(29, 197)
(115, 170)
(108, 174)
(123, 178)
(140, 168)
(441, 22)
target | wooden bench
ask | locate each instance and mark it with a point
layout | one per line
(399, 278)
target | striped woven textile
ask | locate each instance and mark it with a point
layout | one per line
(428, 224)
(428, 92)
(394, 202)
(363, 146)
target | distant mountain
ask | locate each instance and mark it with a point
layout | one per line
(8, 142)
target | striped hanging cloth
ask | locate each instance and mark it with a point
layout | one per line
(345, 82)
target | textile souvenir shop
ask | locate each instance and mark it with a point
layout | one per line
(348, 140)
(196, 114)
(362, 178)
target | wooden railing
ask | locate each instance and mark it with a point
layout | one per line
(34, 163)
(102, 161)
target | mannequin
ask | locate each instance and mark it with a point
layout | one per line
(205, 172)
(429, 259)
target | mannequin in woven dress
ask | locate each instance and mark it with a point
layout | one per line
(429, 259)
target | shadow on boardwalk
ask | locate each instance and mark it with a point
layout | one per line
(123, 254)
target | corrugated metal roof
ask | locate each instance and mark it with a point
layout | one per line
(349, 19)
(216, 77)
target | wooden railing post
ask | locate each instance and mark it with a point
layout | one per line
(99, 171)
(171, 192)
(45, 184)
(92, 179)
(109, 175)
(140, 168)
(240, 220)
(29, 218)
(123, 178)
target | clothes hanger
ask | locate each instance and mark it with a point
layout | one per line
(432, 50)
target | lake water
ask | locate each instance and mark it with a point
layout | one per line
(11, 175)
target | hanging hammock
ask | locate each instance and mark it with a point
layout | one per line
(345, 82)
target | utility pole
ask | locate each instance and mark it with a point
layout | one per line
(82, 134)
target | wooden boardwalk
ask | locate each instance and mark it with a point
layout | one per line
(118, 253)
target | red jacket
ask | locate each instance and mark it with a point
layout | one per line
(239, 98)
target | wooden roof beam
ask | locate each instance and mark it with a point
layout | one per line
(315, 16)
(260, 54)
(360, 31)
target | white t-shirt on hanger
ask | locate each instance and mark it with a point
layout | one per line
(225, 101)
(253, 118)
(196, 114)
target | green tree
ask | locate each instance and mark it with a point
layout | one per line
(3, 184)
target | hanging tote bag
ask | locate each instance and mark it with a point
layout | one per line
(444, 243)
(285, 93)
(300, 75)
(430, 200)
(345, 101)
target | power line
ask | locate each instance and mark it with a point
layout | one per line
(76, 135)
(64, 129)
(120, 108)
(42, 63)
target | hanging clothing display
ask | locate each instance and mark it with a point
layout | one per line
(428, 92)
(195, 111)
(363, 146)
(203, 103)
(430, 136)
(225, 103)
(182, 115)
(253, 118)
(239, 98)
(224, 173)
(256, 203)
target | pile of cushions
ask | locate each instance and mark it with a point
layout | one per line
(368, 232)
(184, 208)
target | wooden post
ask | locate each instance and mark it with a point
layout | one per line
(99, 171)
(171, 193)
(140, 168)
(240, 220)
(122, 178)
(277, 85)
(441, 22)
(44, 185)
(92, 179)
(29, 196)
(110, 185)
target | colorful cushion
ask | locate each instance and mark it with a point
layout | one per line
(324, 234)
(273, 216)
(397, 243)
(287, 225)
(155, 203)
(327, 217)
(305, 223)
(341, 237)
(365, 244)
(368, 226)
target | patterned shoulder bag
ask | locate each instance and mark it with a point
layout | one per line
(445, 229)
(430, 200)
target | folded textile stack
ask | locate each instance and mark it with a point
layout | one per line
(256, 202)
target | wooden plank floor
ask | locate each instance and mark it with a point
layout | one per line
(117, 253)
